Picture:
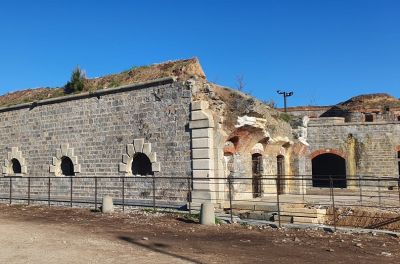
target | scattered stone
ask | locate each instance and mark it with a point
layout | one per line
(296, 239)
(359, 245)
(330, 250)
(386, 254)
(145, 238)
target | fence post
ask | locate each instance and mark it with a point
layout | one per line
(70, 197)
(277, 183)
(95, 193)
(379, 192)
(10, 189)
(154, 193)
(398, 188)
(302, 186)
(360, 187)
(29, 190)
(333, 202)
(189, 196)
(123, 194)
(48, 192)
(230, 198)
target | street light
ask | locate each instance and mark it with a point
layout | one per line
(285, 94)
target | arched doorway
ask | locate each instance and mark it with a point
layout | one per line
(141, 165)
(326, 166)
(280, 173)
(16, 166)
(256, 171)
(67, 167)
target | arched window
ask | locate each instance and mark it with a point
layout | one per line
(141, 165)
(16, 166)
(67, 167)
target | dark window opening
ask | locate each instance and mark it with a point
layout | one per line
(398, 154)
(398, 118)
(141, 165)
(280, 173)
(256, 169)
(326, 168)
(369, 118)
(16, 166)
(67, 167)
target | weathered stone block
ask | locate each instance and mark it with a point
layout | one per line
(198, 115)
(138, 143)
(201, 154)
(147, 148)
(199, 105)
(200, 124)
(202, 133)
(130, 150)
(201, 143)
(203, 164)
(155, 167)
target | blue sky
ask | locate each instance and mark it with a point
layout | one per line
(323, 51)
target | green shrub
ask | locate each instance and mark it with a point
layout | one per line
(77, 81)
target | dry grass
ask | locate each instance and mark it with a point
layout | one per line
(181, 69)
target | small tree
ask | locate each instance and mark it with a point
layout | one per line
(240, 82)
(77, 81)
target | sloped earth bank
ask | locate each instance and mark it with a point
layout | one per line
(59, 235)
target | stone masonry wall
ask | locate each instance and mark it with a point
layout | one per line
(374, 147)
(96, 129)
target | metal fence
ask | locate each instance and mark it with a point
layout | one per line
(353, 201)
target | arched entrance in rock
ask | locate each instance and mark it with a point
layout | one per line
(326, 166)
(256, 171)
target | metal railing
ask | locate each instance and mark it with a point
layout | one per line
(361, 201)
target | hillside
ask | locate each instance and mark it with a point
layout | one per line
(180, 69)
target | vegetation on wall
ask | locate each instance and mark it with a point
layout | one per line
(77, 81)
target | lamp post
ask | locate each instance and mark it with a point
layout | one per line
(285, 94)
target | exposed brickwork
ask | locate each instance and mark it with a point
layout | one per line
(327, 150)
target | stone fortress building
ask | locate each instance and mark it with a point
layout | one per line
(167, 120)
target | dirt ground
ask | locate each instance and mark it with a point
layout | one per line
(62, 235)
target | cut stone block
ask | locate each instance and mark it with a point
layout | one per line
(198, 115)
(130, 150)
(59, 154)
(123, 167)
(203, 164)
(77, 168)
(153, 157)
(207, 214)
(147, 148)
(107, 206)
(199, 105)
(126, 158)
(203, 173)
(201, 124)
(201, 154)
(202, 133)
(52, 169)
(138, 143)
(64, 149)
(201, 143)
(155, 166)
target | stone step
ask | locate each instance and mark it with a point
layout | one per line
(304, 212)
(284, 219)
(306, 220)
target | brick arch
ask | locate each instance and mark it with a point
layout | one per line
(327, 150)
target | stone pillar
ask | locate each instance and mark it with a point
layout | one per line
(201, 125)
